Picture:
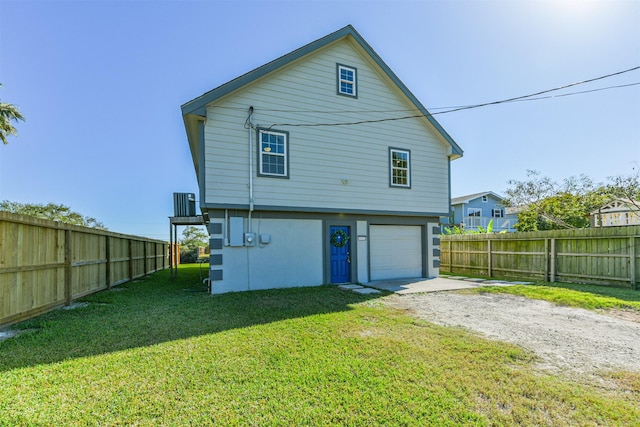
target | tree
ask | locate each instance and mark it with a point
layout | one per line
(626, 187)
(192, 239)
(51, 212)
(8, 113)
(547, 205)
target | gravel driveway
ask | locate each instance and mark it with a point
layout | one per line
(564, 338)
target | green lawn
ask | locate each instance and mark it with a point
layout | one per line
(162, 352)
(591, 297)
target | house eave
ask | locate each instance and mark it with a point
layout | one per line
(321, 210)
(192, 123)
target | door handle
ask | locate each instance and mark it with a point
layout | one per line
(348, 258)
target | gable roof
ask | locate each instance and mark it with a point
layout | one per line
(197, 107)
(617, 205)
(470, 197)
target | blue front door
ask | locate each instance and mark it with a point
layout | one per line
(340, 244)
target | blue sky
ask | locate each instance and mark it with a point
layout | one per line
(101, 84)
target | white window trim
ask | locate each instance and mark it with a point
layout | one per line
(354, 83)
(485, 199)
(285, 155)
(392, 167)
(472, 212)
(499, 210)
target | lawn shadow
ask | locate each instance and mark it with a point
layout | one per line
(159, 309)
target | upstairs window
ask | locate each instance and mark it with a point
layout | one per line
(347, 81)
(497, 213)
(400, 167)
(485, 199)
(273, 153)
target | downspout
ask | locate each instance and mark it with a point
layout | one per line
(226, 227)
(250, 191)
(250, 166)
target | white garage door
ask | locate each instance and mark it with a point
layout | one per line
(396, 251)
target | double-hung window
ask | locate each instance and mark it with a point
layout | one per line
(347, 81)
(497, 213)
(273, 153)
(474, 212)
(400, 168)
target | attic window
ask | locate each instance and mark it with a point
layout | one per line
(347, 81)
(485, 199)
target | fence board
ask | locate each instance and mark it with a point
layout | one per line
(45, 264)
(606, 256)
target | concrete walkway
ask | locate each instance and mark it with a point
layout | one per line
(420, 285)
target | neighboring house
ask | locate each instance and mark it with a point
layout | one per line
(308, 177)
(616, 213)
(477, 210)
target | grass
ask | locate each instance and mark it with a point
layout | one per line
(161, 352)
(589, 297)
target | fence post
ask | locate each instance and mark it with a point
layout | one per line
(107, 248)
(130, 259)
(165, 254)
(632, 262)
(489, 260)
(450, 256)
(552, 261)
(546, 260)
(68, 254)
(144, 256)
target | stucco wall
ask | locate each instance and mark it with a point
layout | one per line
(292, 258)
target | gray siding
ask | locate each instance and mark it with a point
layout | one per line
(334, 167)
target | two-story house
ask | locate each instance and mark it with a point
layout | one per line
(319, 167)
(479, 209)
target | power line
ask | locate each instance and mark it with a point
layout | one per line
(529, 97)
(543, 91)
(580, 92)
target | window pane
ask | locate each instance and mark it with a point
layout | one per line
(273, 164)
(346, 87)
(346, 74)
(400, 177)
(273, 143)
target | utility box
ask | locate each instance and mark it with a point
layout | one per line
(184, 204)
(249, 239)
(236, 231)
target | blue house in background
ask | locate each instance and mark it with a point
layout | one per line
(477, 210)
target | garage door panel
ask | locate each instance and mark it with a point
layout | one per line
(396, 251)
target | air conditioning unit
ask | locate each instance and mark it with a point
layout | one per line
(184, 204)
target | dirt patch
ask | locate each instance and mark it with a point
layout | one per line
(12, 333)
(628, 315)
(5, 335)
(75, 305)
(564, 338)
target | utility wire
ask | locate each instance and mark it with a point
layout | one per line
(580, 92)
(543, 92)
(529, 97)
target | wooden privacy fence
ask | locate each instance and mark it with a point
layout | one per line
(46, 264)
(604, 256)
